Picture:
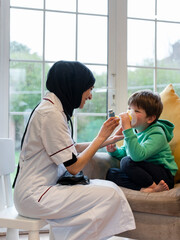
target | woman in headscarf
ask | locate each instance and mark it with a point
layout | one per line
(94, 211)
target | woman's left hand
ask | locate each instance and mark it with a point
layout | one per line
(118, 135)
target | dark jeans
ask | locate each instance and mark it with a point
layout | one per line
(137, 175)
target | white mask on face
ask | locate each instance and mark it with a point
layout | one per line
(132, 116)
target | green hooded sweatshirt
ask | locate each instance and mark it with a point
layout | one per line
(150, 145)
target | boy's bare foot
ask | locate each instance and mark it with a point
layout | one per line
(160, 187)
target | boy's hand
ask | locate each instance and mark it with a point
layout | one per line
(111, 147)
(125, 121)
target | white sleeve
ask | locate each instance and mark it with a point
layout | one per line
(56, 137)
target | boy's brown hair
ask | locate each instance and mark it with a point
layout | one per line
(149, 101)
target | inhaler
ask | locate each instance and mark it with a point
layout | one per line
(111, 113)
(131, 113)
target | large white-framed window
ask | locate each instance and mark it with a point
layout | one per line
(141, 49)
(40, 32)
(44, 31)
(28, 53)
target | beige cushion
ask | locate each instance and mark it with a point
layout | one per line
(171, 112)
(165, 203)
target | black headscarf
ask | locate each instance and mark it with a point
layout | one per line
(68, 80)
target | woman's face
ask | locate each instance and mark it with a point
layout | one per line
(86, 95)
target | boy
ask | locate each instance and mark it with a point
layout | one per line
(147, 163)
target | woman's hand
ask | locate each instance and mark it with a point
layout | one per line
(91, 148)
(118, 135)
(108, 127)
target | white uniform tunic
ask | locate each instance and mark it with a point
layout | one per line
(95, 211)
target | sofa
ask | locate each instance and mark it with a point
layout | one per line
(157, 215)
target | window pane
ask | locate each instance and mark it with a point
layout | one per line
(60, 38)
(168, 45)
(16, 129)
(165, 77)
(92, 39)
(140, 43)
(48, 66)
(141, 8)
(27, 29)
(168, 10)
(100, 74)
(139, 79)
(28, 4)
(62, 5)
(25, 86)
(93, 6)
(88, 127)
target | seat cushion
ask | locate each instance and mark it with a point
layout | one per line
(164, 203)
(171, 112)
(9, 218)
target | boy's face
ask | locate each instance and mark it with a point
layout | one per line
(142, 120)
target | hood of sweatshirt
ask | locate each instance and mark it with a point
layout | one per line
(167, 126)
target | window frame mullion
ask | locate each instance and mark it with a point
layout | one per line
(117, 51)
(4, 67)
